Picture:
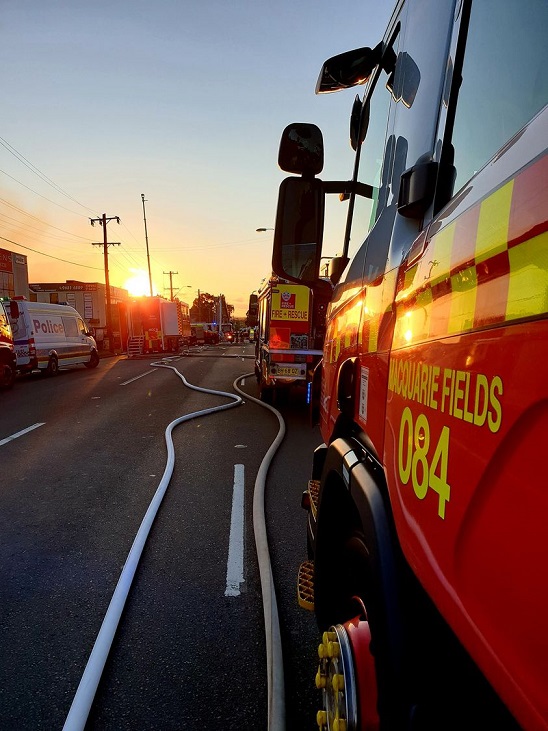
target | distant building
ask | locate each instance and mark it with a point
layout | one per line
(89, 298)
(14, 274)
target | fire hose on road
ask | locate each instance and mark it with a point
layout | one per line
(87, 688)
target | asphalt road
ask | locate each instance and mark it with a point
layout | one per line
(74, 491)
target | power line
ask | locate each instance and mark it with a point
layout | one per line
(128, 256)
(22, 159)
(42, 196)
(30, 215)
(66, 261)
(22, 225)
(130, 259)
(127, 251)
(207, 248)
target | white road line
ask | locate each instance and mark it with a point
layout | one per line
(20, 433)
(125, 383)
(235, 563)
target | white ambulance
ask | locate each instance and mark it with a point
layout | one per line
(48, 336)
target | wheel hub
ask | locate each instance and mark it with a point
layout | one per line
(346, 677)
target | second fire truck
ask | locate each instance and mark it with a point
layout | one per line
(288, 338)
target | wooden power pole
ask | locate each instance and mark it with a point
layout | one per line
(171, 283)
(105, 244)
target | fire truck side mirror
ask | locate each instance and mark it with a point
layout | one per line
(301, 149)
(299, 230)
(337, 265)
(14, 310)
(253, 311)
(348, 69)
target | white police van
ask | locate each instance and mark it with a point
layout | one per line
(48, 336)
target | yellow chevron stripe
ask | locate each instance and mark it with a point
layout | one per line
(492, 236)
(528, 285)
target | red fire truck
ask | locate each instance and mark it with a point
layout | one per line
(289, 337)
(428, 499)
(158, 325)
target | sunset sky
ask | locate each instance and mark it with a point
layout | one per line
(182, 100)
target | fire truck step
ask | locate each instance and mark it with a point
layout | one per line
(305, 585)
(314, 491)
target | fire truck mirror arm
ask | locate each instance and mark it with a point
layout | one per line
(345, 187)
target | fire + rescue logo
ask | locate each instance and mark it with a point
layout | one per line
(288, 301)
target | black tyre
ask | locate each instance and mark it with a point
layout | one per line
(7, 376)
(53, 366)
(93, 362)
(266, 394)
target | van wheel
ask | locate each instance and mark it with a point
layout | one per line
(7, 376)
(53, 366)
(93, 362)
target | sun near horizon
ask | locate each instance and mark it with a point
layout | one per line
(138, 284)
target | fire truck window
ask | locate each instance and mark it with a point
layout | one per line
(511, 50)
(371, 158)
(402, 131)
(373, 151)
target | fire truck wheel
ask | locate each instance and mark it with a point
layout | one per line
(346, 675)
(53, 366)
(7, 376)
(282, 395)
(266, 394)
(349, 574)
(338, 581)
(93, 362)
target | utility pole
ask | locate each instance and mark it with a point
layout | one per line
(171, 283)
(146, 239)
(105, 244)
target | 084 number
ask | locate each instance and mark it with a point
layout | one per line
(413, 458)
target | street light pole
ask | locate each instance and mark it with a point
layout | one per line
(146, 239)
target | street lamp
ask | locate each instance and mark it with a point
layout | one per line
(260, 230)
(185, 286)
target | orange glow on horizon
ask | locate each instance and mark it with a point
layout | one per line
(138, 284)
